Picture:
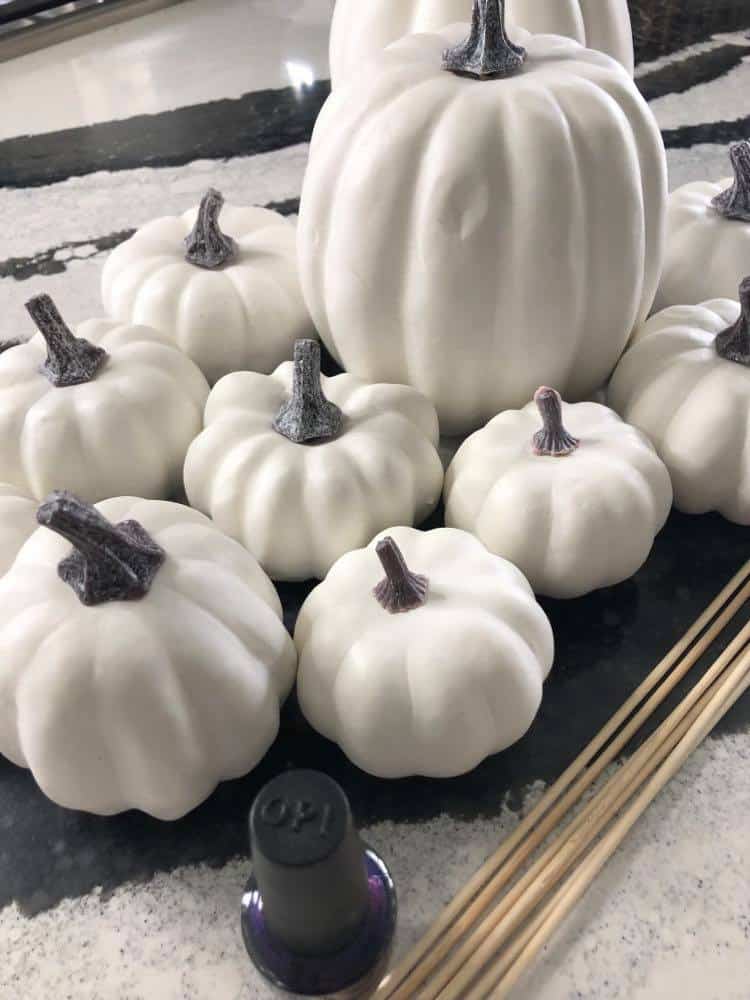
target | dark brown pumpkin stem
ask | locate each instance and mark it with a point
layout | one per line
(552, 440)
(734, 203)
(109, 562)
(401, 590)
(487, 52)
(70, 360)
(733, 344)
(206, 246)
(307, 415)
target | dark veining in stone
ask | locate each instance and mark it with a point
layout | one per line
(687, 73)
(259, 122)
(720, 133)
(661, 27)
(47, 262)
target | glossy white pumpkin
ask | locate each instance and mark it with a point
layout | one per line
(708, 254)
(298, 507)
(571, 524)
(693, 404)
(17, 522)
(125, 431)
(244, 315)
(361, 28)
(478, 238)
(434, 690)
(148, 703)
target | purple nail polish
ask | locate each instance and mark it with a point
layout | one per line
(319, 911)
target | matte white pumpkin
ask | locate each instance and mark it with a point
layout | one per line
(232, 303)
(165, 682)
(361, 28)
(17, 522)
(476, 238)
(106, 410)
(301, 468)
(708, 241)
(575, 505)
(686, 384)
(429, 670)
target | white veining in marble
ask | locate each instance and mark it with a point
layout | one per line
(669, 917)
(198, 51)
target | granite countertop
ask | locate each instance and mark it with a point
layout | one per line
(98, 135)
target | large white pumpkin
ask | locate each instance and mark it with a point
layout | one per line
(429, 669)
(348, 460)
(685, 382)
(476, 238)
(145, 665)
(708, 241)
(361, 28)
(231, 302)
(575, 504)
(17, 522)
(107, 410)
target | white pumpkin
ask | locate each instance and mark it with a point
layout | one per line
(17, 522)
(708, 241)
(230, 302)
(361, 28)
(301, 468)
(686, 384)
(144, 666)
(476, 238)
(576, 505)
(428, 670)
(104, 411)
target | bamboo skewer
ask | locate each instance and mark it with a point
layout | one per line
(733, 676)
(461, 915)
(488, 936)
(736, 684)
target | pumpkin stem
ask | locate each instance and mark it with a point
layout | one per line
(487, 52)
(552, 440)
(206, 246)
(733, 344)
(734, 203)
(109, 562)
(307, 415)
(70, 360)
(401, 590)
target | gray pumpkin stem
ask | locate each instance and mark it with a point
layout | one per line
(401, 590)
(552, 440)
(734, 203)
(109, 562)
(307, 415)
(733, 344)
(206, 246)
(70, 360)
(487, 52)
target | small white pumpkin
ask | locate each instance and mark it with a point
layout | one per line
(428, 670)
(231, 302)
(708, 237)
(361, 28)
(686, 384)
(576, 505)
(17, 522)
(105, 411)
(143, 666)
(301, 468)
(476, 238)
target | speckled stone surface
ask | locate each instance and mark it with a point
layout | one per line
(127, 908)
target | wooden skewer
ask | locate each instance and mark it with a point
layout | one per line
(661, 753)
(506, 863)
(453, 980)
(736, 684)
(453, 923)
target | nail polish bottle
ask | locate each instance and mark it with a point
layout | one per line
(319, 911)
